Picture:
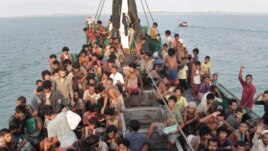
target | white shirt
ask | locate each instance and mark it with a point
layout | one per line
(169, 41)
(117, 77)
(258, 144)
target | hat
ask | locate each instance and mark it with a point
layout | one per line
(264, 132)
(192, 105)
(181, 41)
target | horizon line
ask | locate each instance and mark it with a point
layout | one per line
(166, 12)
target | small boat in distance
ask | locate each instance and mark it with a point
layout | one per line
(183, 24)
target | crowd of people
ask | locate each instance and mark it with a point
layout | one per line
(95, 87)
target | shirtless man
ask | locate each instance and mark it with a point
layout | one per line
(133, 77)
(139, 47)
(164, 89)
(182, 52)
(66, 54)
(171, 63)
(116, 100)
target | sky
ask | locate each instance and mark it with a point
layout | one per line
(13, 8)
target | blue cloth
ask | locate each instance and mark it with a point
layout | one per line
(137, 140)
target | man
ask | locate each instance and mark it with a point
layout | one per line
(54, 98)
(212, 145)
(138, 141)
(58, 129)
(168, 121)
(169, 39)
(262, 143)
(233, 105)
(91, 98)
(64, 84)
(19, 118)
(171, 63)
(139, 47)
(117, 77)
(264, 102)
(6, 140)
(249, 90)
(153, 31)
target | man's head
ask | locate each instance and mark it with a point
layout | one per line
(109, 113)
(134, 125)
(91, 89)
(132, 66)
(143, 40)
(93, 123)
(210, 98)
(55, 65)
(215, 76)
(20, 112)
(177, 36)
(171, 101)
(167, 33)
(171, 51)
(21, 100)
(111, 131)
(197, 64)
(239, 114)
(206, 79)
(47, 86)
(39, 90)
(114, 69)
(49, 112)
(265, 96)
(191, 107)
(6, 135)
(65, 50)
(53, 57)
(243, 127)
(178, 91)
(207, 59)
(166, 80)
(264, 137)
(223, 133)
(109, 82)
(213, 144)
(38, 83)
(155, 24)
(46, 75)
(248, 79)
(62, 72)
(123, 145)
(205, 132)
(233, 105)
(240, 146)
(195, 51)
(76, 67)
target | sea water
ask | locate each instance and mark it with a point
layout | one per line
(231, 40)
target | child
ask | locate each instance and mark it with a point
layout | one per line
(89, 129)
(206, 66)
(195, 54)
(181, 103)
(171, 63)
(183, 74)
(196, 79)
(111, 119)
(66, 54)
(51, 59)
(215, 78)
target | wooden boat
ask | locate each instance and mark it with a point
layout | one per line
(183, 24)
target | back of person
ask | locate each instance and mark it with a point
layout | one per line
(59, 127)
(137, 140)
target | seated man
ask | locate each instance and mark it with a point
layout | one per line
(235, 119)
(138, 141)
(169, 121)
(19, 118)
(233, 105)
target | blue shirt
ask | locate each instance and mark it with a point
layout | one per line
(137, 140)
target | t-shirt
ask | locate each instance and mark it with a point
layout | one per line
(137, 140)
(117, 77)
(206, 67)
(233, 121)
(181, 104)
(59, 127)
(169, 118)
(183, 72)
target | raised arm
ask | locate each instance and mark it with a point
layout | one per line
(240, 75)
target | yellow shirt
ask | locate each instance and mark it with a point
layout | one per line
(181, 104)
(153, 33)
(183, 73)
(206, 67)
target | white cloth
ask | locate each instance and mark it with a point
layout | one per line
(117, 77)
(60, 128)
(203, 106)
(258, 144)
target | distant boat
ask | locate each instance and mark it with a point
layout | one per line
(183, 24)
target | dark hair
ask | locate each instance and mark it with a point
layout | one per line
(143, 38)
(93, 121)
(197, 63)
(94, 55)
(204, 130)
(61, 68)
(165, 45)
(171, 51)
(99, 22)
(44, 73)
(213, 139)
(249, 75)
(53, 56)
(179, 88)
(47, 84)
(65, 49)
(134, 125)
(85, 29)
(48, 110)
(113, 56)
(212, 88)
(110, 60)
(56, 62)
(172, 97)
(176, 35)
(37, 81)
(111, 128)
(223, 129)
(240, 144)
(240, 110)
(4, 131)
(210, 96)
(67, 62)
(155, 23)
(149, 54)
(110, 111)
(21, 109)
(165, 76)
(125, 142)
(22, 99)
(91, 140)
(167, 32)
(207, 57)
(76, 65)
(196, 50)
(132, 65)
(39, 89)
(232, 101)
(110, 79)
(115, 67)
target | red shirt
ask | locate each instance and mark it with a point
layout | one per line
(247, 94)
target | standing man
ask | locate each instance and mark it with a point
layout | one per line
(264, 102)
(249, 90)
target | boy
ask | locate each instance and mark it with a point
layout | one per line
(181, 103)
(6, 140)
(206, 66)
(183, 74)
(171, 63)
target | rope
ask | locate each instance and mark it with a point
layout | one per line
(177, 123)
(149, 10)
(100, 10)
(145, 14)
